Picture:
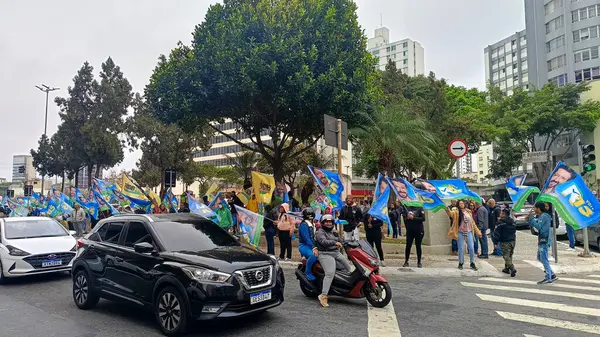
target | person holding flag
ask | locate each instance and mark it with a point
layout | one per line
(542, 221)
(462, 228)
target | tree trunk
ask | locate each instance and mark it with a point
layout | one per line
(162, 185)
(62, 185)
(98, 171)
(76, 179)
(90, 170)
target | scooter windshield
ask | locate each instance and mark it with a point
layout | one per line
(366, 247)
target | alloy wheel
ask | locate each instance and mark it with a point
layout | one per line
(81, 289)
(169, 311)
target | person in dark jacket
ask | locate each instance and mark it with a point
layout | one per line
(415, 231)
(482, 221)
(306, 240)
(393, 214)
(269, 228)
(374, 235)
(353, 215)
(494, 215)
(505, 235)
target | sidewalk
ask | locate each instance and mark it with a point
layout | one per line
(524, 260)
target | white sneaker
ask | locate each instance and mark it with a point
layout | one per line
(569, 249)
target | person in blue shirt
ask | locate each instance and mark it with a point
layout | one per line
(542, 222)
(306, 233)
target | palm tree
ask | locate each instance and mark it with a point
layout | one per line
(394, 142)
(243, 164)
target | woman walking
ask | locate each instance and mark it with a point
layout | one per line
(286, 226)
(462, 230)
(374, 235)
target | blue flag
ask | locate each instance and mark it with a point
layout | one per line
(573, 200)
(518, 192)
(90, 206)
(380, 186)
(405, 192)
(379, 209)
(199, 208)
(103, 204)
(330, 184)
(452, 189)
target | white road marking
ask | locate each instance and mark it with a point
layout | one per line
(533, 291)
(526, 335)
(541, 305)
(383, 321)
(580, 280)
(550, 322)
(554, 285)
(596, 276)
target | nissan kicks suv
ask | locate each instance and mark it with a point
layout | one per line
(182, 267)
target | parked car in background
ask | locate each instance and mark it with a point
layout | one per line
(520, 216)
(593, 235)
(561, 230)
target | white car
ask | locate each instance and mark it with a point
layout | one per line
(34, 245)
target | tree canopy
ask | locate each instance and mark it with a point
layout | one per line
(274, 66)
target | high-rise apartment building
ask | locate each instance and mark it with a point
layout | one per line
(463, 165)
(563, 37)
(23, 170)
(408, 55)
(506, 63)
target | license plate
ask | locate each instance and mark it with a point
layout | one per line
(260, 297)
(51, 263)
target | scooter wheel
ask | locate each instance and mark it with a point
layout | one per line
(380, 296)
(307, 292)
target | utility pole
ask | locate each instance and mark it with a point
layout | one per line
(555, 220)
(339, 147)
(47, 90)
(586, 241)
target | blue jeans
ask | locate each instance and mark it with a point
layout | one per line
(476, 246)
(454, 246)
(270, 236)
(542, 256)
(461, 247)
(571, 235)
(484, 244)
(307, 252)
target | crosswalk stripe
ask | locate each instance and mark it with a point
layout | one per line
(526, 335)
(524, 282)
(541, 305)
(580, 280)
(532, 291)
(597, 276)
(382, 322)
(550, 322)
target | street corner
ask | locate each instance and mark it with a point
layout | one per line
(485, 269)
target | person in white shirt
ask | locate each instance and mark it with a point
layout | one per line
(78, 219)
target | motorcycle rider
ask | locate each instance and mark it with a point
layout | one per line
(328, 244)
(306, 234)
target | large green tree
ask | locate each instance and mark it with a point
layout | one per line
(270, 65)
(538, 119)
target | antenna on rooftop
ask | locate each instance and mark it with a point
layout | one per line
(381, 19)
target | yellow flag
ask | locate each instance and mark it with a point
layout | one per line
(153, 196)
(211, 191)
(263, 186)
(130, 189)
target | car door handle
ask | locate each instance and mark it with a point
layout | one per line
(118, 259)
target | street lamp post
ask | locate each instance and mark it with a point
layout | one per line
(47, 90)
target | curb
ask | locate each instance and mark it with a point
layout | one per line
(562, 269)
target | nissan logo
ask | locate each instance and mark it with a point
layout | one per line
(51, 257)
(259, 276)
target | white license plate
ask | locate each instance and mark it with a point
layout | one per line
(51, 263)
(260, 297)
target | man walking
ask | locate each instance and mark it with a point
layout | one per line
(353, 215)
(505, 235)
(494, 215)
(542, 222)
(78, 219)
(482, 224)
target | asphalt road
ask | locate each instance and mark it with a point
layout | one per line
(422, 306)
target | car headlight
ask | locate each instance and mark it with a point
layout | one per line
(275, 261)
(74, 249)
(14, 251)
(206, 275)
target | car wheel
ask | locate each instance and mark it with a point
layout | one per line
(171, 312)
(83, 295)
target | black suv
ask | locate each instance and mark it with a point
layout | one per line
(182, 266)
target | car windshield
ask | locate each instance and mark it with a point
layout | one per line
(192, 235)
(33, 228)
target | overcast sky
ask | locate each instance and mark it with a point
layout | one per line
(47, 42)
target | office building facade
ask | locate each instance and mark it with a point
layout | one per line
(23, 170)
(408, 55)
(563, 41)
(506, 64)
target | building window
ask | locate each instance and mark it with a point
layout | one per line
(587, 74)
(586, 54)
(585, 13)
(552, 6)
(393, 47)
(405, 45)
(557, 62)
(555, 43)
(586, 33)
(524, 65)
(559, 80)
(555, 24)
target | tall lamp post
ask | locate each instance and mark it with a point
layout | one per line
(47, 90)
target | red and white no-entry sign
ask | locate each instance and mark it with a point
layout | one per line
(458, 148)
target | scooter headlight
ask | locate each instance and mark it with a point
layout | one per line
(374, 263)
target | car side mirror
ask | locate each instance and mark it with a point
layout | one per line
(143, 248)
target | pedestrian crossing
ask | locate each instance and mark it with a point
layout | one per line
(569, 304)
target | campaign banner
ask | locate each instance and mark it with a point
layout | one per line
(430, 200)
(199, 208)
(106, 189)
(103, 204)
(405, 192)
(380, 186)
(16, 209)
(264, 186)
(330, 184)
(570, 196)
(90, 206)
(518, 192)
(133, 192)
(452, 189)
(251, 225)
(170, 200)
(379, 209)
(219, 199)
